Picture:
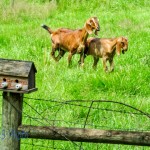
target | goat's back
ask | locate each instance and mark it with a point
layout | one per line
(98, 46)
(93, 46)
(67, 39)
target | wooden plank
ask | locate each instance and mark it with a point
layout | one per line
(16, 67)
(87, 135)
(12, 81)
(20, 91)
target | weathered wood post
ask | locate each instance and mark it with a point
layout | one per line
(16, 78)
(11, 119)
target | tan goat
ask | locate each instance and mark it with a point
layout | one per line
(105, 48)
(72, 41)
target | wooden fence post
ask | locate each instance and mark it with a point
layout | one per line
(11, 119)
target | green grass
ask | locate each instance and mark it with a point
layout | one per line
(21, 37)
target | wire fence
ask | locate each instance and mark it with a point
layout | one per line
(96, 114)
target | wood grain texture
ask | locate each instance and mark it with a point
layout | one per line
(16, 67)
(87, 135)
(11, 119)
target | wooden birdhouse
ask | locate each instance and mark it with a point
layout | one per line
(17, 76)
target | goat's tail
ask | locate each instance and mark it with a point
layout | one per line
(47, 28)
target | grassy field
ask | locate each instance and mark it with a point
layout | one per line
(21, 37)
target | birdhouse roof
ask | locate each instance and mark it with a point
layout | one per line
(16, 67)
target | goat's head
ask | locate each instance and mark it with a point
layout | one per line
(122, 44)
(91, 25)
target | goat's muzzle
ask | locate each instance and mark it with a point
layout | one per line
(97, 29)
(124, 50)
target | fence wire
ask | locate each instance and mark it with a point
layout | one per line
(97, 114)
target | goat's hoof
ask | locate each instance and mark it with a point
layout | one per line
(79, 63)
(106, 71)
(94, 68)
(56, 60)
(82, 65)
(112, 70)
(69, 66)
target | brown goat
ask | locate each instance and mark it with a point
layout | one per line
(72, 41)
(105, 48)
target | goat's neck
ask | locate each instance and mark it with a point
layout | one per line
(114, 43)
(84, 35)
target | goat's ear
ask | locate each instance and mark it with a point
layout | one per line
(120, 39)
(88, 27)
(96, 32)
(89, 22)
(126, 39)
(118, 47)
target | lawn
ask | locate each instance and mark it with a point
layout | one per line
(22, 38)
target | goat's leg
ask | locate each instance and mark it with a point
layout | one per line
(96, 59)
(79, 62)
(69, 59)
(53, 53)
(82, 56)
(104, 64)
(60, 55)
(111, 65)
